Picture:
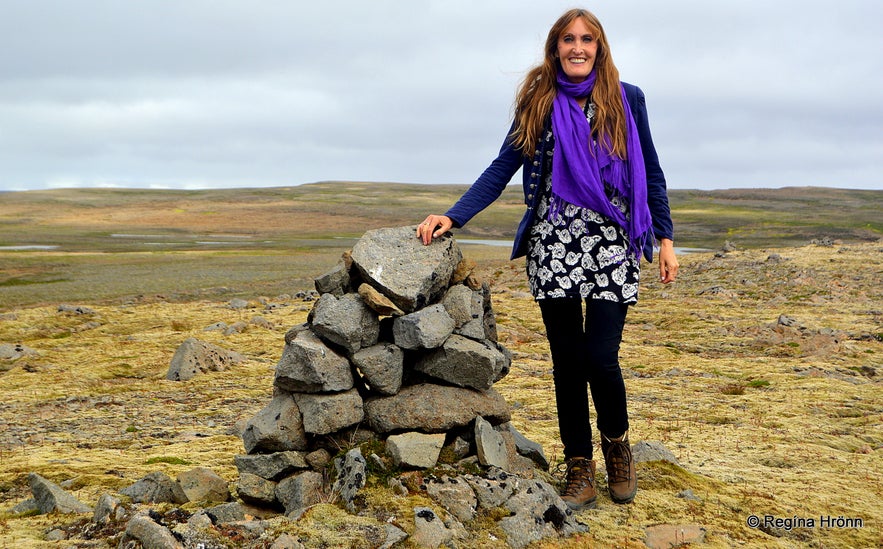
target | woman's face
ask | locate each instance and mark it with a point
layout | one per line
(577, 47)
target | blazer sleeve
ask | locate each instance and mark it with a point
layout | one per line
(657, 194)
(489, 186)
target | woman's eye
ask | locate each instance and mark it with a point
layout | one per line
(568, 39)
(587, 38)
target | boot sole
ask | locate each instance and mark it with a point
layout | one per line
(623, 501)
(587, 505)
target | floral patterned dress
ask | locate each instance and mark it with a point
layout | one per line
(580, 253)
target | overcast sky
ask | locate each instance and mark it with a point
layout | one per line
(222, 93)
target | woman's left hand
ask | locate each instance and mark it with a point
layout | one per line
(668, 263)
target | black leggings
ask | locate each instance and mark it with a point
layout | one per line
(584, 355)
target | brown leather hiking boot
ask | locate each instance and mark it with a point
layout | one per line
(622, 479)
(579, 485)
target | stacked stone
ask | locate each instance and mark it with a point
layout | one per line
(401, 346)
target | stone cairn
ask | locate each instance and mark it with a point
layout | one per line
(400, 349)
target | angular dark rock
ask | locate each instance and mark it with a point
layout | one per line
(326, 413)
(156, 487)
(527, 447)
(50, 497)
(226, 513)
(299, 491)
(464, 363)
(274, 466)
(382, 366)
(427, 328)
(201, 484)
(149, 534)
(336, 281)
(309, 366)
(278, 427)
(108, 508)
(463, 304)
(398, 265)
(434, 408)
(346, 322)
(256, 490)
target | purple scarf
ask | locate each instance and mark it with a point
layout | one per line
(580, 166)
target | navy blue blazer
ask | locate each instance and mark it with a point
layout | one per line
(490, 185)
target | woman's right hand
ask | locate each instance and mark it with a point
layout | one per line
(433, 227)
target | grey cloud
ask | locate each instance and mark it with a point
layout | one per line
(224, 93)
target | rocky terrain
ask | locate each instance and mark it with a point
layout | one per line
(759, 371)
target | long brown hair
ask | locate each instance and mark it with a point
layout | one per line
(533, 102)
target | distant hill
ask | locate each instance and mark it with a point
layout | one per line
(82, 219)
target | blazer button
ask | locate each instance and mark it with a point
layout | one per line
(536, 162)
(533, 174)
(533, 185)
(530, 197)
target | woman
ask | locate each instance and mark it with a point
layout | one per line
(596, 200)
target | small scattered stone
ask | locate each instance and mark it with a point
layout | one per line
(651, 450)
(156, 487)
(665, 536)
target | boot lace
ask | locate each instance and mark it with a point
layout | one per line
(618, 458)
(578, 474)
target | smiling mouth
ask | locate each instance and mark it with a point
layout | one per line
(577, 60)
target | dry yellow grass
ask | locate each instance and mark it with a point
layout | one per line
(764, 422)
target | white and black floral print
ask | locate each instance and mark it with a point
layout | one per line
(580, 253)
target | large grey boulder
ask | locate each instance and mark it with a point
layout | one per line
(277, 427)
(465, 363)
(415, 449)
(382, 365)
(309, 366)
(156, 487)
(346, 321)
(194, 356)
(326, 413)
(434, 408)
(50, 497)
(397, 264)
(427, 328)
(275, 466)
